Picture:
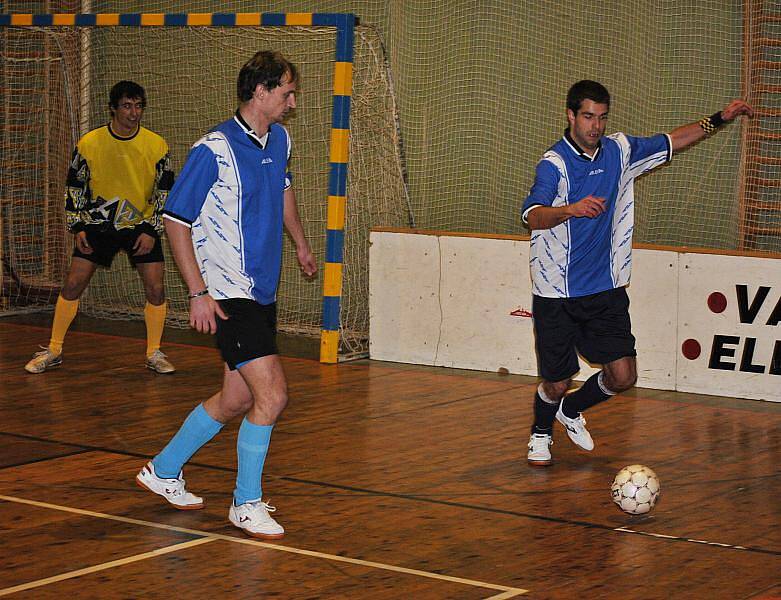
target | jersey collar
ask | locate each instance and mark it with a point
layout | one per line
(261, 141)
(578, 150)
(122, 138)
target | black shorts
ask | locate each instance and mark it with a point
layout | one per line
(106, 244)
(249, 333)
(596, 326)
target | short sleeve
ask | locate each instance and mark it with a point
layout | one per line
(192, 185)
(649, 151)
(544, 189)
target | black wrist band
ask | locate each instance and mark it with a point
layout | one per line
(198, 294)
(711, 124)
(716, 119)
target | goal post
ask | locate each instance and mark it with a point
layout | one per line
(343, 147)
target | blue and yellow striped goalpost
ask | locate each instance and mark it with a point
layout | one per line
(340, 124)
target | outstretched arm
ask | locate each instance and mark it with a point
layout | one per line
(686, 135)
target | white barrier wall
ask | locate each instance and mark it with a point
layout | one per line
(729, 309)
(465, 302)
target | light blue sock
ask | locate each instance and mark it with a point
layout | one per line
(197, 429)
(252, 447)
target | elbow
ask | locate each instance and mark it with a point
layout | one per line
(528, 219)
(533, 222)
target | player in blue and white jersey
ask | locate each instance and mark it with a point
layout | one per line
(224, 219)
(581, 213)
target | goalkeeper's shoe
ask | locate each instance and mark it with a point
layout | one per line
(43, 360)
(159, 363)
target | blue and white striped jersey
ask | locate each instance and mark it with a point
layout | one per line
(231, 194)
(583, 256)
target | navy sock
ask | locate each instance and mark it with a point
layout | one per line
(544, 415)
(588, 395)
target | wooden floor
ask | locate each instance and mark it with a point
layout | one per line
(392, 481)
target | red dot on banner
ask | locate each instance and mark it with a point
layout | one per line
(717, 302)
(691, 349)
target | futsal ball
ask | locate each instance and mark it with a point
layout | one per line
(636, 489)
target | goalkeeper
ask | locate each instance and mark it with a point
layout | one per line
(117, 184)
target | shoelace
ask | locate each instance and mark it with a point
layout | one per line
(536, 442)
(175, 486)
(44, 350)
(267, 506)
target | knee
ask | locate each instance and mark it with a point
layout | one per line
(72, 289)
(621, 381)
(555, 390)
(230, 406)
(274, 402)
(70, 292)
(280, 400)
(155, 293)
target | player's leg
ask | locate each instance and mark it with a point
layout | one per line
(606, 339)
(247, 340)
(266, 380)
(151, 268)
(555, 335)
(203, 423)
(80, 272)
(163, 474)
(78, 278)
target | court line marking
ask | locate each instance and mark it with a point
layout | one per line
(511, 593)
(102, 567)
(430, 500)
(559, 520)
(685, 539)
(506, 591)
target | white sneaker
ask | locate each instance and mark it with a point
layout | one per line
(576, 429)
(159, 363)
(170, 489)
(539, 449)
(45, 359)
(255, 520)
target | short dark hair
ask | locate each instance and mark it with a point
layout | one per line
(266, 68)
(587, 90)
(125, 89)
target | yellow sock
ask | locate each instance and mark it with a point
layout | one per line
(154, 316)
(64, 313)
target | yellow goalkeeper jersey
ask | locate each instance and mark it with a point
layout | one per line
(118, 183)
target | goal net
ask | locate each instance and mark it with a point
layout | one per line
(55, 83)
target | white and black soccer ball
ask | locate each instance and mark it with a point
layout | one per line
(636, 489)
